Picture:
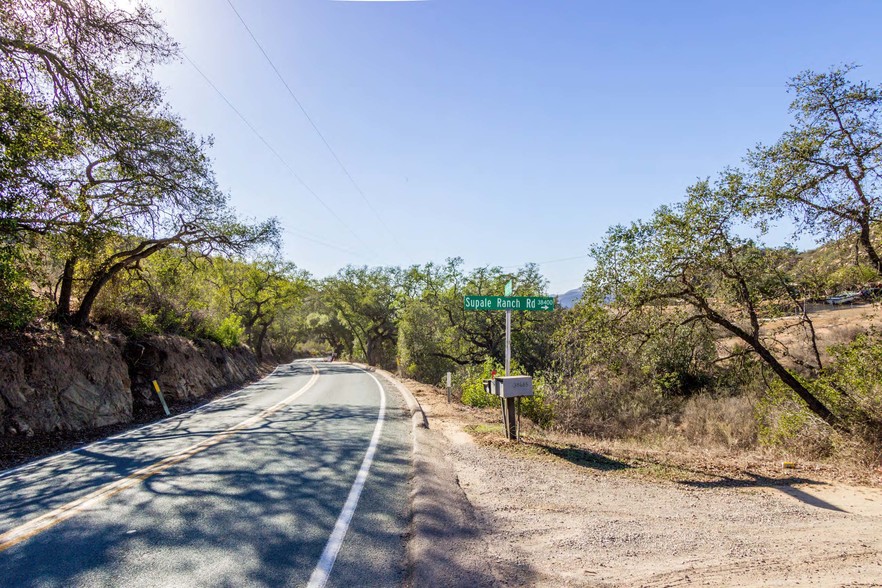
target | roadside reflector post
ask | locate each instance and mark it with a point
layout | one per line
(448, 387)
(161, 398)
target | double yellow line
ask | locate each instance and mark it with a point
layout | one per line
(48, 520)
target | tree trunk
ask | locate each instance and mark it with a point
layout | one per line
(369, 351)
(62, 312)
(867, 244)
(81, 318)
(814, 405)
(259, 349)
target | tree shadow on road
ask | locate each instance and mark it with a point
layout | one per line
(255, 510)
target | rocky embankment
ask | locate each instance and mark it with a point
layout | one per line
(74, 380)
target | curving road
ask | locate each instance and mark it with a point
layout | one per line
(301, 479)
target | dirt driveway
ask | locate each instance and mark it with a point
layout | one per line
(573, 513)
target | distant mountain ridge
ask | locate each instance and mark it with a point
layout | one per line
(569, 298)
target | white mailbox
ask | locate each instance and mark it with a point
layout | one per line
(512, 386)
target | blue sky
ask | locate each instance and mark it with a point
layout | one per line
(501, 132)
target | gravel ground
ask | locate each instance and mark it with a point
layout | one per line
(562, 515)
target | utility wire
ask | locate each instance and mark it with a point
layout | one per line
(315, 126)
(547, 262)
(276, 153)
(307, 236)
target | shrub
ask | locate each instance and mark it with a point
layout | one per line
(536, 407)
(230, 331)
(473, 393)
(148, 324)
(786, 422)
(17, 305)
(729, 421)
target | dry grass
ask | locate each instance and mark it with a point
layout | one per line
(833, 326)
(727, 422)
(716, 452)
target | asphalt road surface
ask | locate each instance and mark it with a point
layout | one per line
(298, 480)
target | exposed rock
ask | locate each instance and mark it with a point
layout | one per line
(184, 369)
(77, 380)
(69, 381)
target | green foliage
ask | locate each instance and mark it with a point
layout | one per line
(786, 423)
(851, 277)
(825, 170)
(229, 332)
(423, 339)
(536, 407)
(264, 293)
(437, 333)
(366, 302)
(690, 257)
(99, 164)
(17, 304)
(853, 384)
(473, 393)
(148, 324)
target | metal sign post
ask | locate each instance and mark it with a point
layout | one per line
(508, 303)
(507, 342)
(508, 404)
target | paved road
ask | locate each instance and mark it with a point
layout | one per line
(246, 491)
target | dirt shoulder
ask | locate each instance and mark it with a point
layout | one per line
(569, 511)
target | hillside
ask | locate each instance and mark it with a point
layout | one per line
(838, 265)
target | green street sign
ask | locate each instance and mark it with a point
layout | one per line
(534, 303)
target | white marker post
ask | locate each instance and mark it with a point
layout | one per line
(448, 387)
(161, 397)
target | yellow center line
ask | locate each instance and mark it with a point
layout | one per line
(48, 520)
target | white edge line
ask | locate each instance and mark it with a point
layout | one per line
(322, 570)
(50, 458)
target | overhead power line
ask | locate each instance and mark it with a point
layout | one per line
(547, 261)
(300, 234)
(277, 155)
(315, 126)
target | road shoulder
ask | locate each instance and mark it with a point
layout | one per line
(557, 512)
(446, 546)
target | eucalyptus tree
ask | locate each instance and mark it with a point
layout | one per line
(826, 170)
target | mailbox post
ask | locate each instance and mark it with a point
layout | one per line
(508, 388)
